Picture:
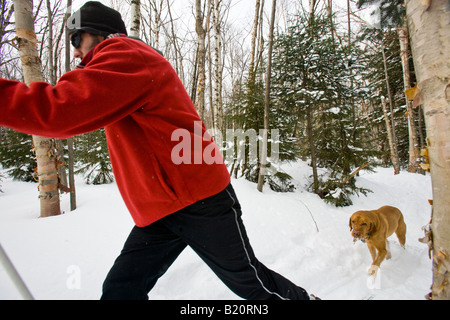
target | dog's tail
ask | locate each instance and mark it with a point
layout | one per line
(401, 231)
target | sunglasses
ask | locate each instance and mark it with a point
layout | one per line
(75, 39)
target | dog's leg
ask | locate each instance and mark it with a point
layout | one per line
(373, 251)
(388, 249)
(373, 270)
(382, 252)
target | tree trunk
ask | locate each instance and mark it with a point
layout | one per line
(45, 152)
(394, 147)
(193, 94)
(201, 57)
(135, 18)
(51, 71)
(209, 61)
(52, 77)
(5, 20)
(176, 48)
(263, 167)
(218, 65)
(260, 50)
(429, 27)
(394, 155)
(157, 21)
(252, 71)
(329, 8)
(309, 110)
(312, 148)
(413, 140)
(73, 195)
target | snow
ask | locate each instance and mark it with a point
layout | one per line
(67, 257)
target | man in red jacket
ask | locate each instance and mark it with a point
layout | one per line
(129, 89)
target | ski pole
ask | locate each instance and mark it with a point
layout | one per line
(14, 275)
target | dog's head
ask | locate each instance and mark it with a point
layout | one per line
(362, 224)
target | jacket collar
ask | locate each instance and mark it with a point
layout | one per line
(86, 60)
(90, 54)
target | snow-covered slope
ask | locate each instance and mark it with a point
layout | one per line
(68, 257)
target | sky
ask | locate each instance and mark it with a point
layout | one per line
(241, 11)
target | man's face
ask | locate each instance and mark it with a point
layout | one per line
(88, 41)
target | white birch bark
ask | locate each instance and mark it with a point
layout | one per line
(429, 27)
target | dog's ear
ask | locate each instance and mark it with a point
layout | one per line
(374, 222)
(371, 228)
(350, 224)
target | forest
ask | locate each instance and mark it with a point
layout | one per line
(336, 97)
(333, 83)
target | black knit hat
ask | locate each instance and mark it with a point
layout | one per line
(96, 18)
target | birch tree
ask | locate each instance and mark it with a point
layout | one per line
(178, 56)
(135, 18)
(51, 67)
(44, 147)
(263, 167)
(256, 50)
(252, 71)
(70, 147)
(218, 65)
(413, 140)
(201, 58)
(429, 27)
(157, 10)
(394, 147)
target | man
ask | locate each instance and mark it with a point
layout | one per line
(129, 89)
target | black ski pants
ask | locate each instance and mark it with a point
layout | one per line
(214, 230)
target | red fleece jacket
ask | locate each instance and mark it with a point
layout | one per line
(134, 93)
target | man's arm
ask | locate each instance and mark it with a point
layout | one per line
(113, 85)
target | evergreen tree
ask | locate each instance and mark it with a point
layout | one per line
(312, 71)
(392, 15)
(391, 12)
(374, 74)
(92, 156)
(246, 112)
(16, 155)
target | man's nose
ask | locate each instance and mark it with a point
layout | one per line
(77, 54)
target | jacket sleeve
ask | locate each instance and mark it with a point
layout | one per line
(111, 86)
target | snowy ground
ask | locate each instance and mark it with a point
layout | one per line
(68, 257)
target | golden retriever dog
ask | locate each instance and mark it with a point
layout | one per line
(374, 227)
